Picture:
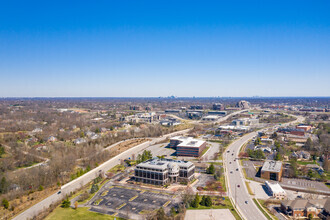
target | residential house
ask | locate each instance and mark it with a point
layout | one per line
(301, 155)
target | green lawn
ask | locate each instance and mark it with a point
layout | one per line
(79, 214)
(204, 151)
(306, 162)
(226, 205)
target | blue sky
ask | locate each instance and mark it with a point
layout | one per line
(163, 48)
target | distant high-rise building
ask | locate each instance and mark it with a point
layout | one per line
(243, 104)
(218, 107)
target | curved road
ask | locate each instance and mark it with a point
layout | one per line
(236, 183)
(237, 190)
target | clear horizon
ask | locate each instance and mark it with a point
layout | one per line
(153, 49)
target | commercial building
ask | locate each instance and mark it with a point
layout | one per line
(243, 104)
(293, 131)
(275, 190)
(245, 121)
(187, 146)
(164, 171)
(220, 113)
(210, 118)
(304, 127)
(234, 128)
(172, 111)
(218, 107)
(195, 107)
(272, 170)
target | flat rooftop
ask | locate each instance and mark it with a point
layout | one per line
(272, 166)
(162, 164)
(275, 187)
(191, 143)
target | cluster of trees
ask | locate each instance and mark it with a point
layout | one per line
(256, 154)
(146, 155)
(205, 201)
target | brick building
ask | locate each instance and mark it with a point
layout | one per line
(300, 208)
(272, 170)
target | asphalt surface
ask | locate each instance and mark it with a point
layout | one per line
(236, 182)
(240, 195)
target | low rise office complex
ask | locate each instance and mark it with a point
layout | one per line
(187, 146)
(164, 171)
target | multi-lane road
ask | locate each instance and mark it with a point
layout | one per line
(236, 182)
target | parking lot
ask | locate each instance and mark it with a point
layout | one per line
(124, 201)
(307, 184)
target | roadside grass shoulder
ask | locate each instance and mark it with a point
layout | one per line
(262, 202)
(266, 214)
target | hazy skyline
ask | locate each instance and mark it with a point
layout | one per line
(153, 48)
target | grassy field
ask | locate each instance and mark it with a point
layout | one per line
(226, 205)
(79, 214)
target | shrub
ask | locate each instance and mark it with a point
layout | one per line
(66, 203)
(83, 197)
(208, 201)
(5, 203)
(211, 169)
(94, 188)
